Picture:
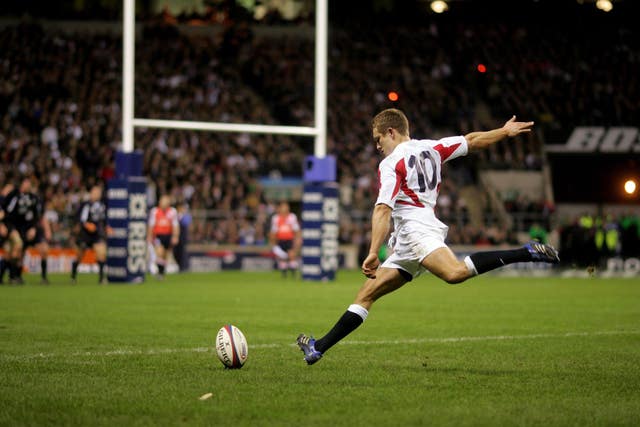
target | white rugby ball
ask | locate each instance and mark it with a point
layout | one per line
(231, 347)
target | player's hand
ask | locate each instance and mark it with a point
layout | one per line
(514, 128)
(174, 240)
(370, 265)
(90, 227)
(109, 230)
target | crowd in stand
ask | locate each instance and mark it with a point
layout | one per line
(60, 123)
(589, 240)
(60, 110)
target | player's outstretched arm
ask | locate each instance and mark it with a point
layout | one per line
(480, 140)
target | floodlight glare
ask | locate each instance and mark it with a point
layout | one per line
(630, 186)
(439, 6)
(604, 5)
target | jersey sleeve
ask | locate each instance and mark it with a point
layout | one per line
(451, 147)
(152, 217)
(83, 213)
(295, 225)
(10, 202)
(389, 179)
(174, 221)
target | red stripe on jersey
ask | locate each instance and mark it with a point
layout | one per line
(401, 180)
(401, 174)
(445, 152)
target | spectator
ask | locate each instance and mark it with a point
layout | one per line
(180, 252)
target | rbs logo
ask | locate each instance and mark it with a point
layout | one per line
(330, 231)
(136, 245)
(138, 206)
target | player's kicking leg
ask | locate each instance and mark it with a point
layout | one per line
(387, 280)
(444, 264)
(441, 262)
(482, 262)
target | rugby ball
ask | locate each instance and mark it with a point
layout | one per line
(231, 347)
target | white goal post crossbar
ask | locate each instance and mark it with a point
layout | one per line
(319, 131)
(225, 127)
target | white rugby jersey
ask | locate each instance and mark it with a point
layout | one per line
(410, 178)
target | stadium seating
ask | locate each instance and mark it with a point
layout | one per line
(60, 112)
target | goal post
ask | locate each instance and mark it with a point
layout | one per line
(318, 131)
(320, 246)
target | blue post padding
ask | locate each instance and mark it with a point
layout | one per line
(128, 164)
(320, 218)
(118, 221)
(127, 217)
(137, 230)
(319, 169)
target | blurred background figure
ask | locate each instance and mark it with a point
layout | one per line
(180, 249)
(4, 232)
(164, 232)
(285, 239)
(23, 217)
(91, 232)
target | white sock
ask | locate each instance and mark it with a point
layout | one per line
(470, 265)
(279, 252)
(359, 310)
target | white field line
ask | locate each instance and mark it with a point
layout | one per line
(160, 351)
(493, 338)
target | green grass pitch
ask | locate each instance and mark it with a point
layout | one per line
(493, 351)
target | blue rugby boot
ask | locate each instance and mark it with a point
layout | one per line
(307, 345)
(542, 252)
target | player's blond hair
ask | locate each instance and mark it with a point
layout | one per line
(391, 118)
